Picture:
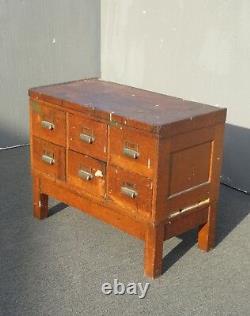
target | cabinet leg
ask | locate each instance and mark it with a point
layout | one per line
(40, 201)
(153, 251)
(206, 234)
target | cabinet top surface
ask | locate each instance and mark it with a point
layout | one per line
(149, 108)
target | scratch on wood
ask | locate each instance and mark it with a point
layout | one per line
(149, 163)
(190, 208)
(110, 115)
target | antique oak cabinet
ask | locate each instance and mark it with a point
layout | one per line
(146, 163)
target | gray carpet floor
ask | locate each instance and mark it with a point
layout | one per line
(57, 266)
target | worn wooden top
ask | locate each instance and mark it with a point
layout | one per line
(155, 112)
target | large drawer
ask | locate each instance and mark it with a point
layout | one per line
(130, 190)
(48, 158)
(133, 150)
(86, 173)
(48, 123)
(88, 136)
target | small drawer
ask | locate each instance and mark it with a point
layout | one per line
(48, 123)
(131, 149)
(88, 136)
(130, 190)
(49, 158)
(86, 173)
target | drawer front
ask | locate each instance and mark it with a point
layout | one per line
(86, 173)
(130, 190)
(48, 158)
(48, 123)
(88, 136)
(133, 150)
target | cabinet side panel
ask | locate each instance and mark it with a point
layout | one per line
(188, 170)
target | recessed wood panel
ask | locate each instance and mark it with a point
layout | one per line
(189, 168)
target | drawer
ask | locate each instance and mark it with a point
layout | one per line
(86, 173)
(49, 158)
(48, 123)
(88, 136)
(130, 190)
(131, 149)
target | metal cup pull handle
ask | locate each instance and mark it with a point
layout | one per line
(131, 153)
(129, 192)
(85, 175)
(48, 125)
(48, 159)
(87, 138)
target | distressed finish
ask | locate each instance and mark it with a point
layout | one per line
(146, 163)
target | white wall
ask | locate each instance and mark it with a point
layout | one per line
(43, 42)
(198, 50)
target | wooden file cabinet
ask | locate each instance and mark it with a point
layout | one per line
(146, 163)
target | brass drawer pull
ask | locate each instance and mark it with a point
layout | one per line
(85, 175)
(131, 153)
(87, 138)
(129, 192)
(48, 159)
(48, 125)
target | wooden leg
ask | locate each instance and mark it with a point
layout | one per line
(40, 201)
(153, 251)
(206, 234)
